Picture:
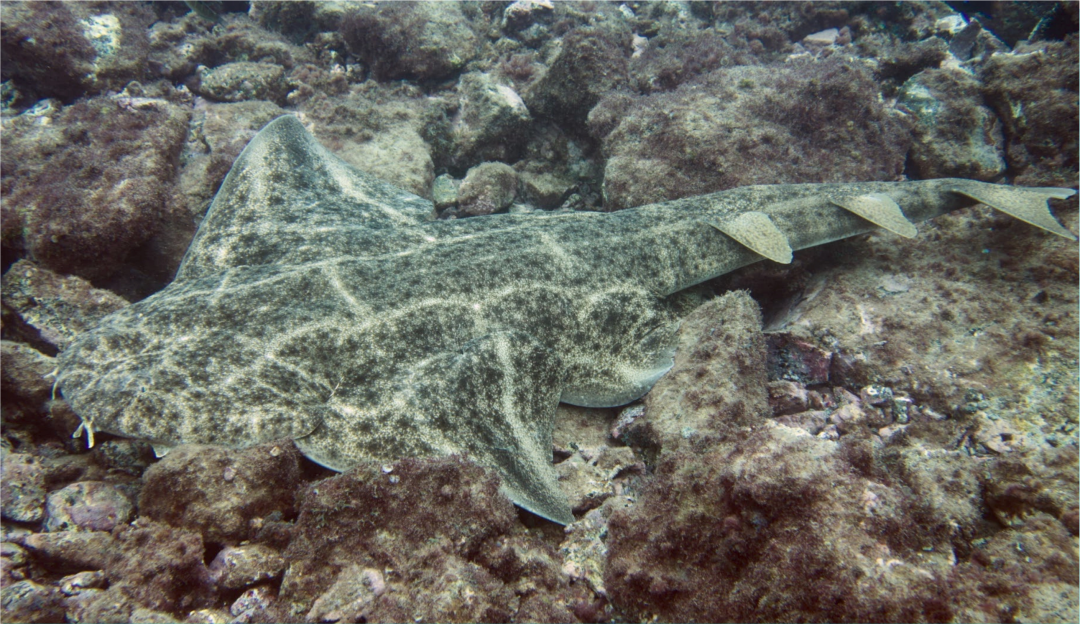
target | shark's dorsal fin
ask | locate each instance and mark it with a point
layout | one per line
(289, 200)
(756, 231)
(881, 210)
(1027, 204)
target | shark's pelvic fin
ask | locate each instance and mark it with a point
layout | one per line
(881, 210)
(756, 231)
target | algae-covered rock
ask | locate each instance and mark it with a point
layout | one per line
(75, 583)
(421, 40)
(67, 552)
(444, 192)
(492, 122)
(558, 171)
(955, 134)
(22, 488)
(521, 14)
(92, 183)
(87, 505)
(780, 527)
(751, 519)
(238, 81)
(70, 49)
(178, 46)
(239, 566)
(49, 310)
(487, 188)
(29, 601)
(379, 129)
(591, 63)
(718, 376)
(426, 539)
(221, 494)
(108, 605)
(13, 559)
(24, 374)
(160, 567)
(802, 121)
(1033, 92)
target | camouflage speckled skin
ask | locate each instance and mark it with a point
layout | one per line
(319, 303)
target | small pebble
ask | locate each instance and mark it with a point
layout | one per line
(87, 505)
(12, 551)
(488, 187)
(787, 397)
(76, 583)
(875, 395)
(523, 13)
(933, 415)
(887, 433)
(354, 589)
(829, 433)
(252, 600)
(27, 601)
(12, 558)
(239, 566)
(626, 418)
(208, 616)
(848, 417)
(128, 456)
(22, 488)
(444, 192)
(811, 421)
(825, 37)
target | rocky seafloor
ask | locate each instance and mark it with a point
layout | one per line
(884, 430)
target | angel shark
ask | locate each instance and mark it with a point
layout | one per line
(321, 304)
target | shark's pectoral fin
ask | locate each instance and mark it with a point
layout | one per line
(511, 384)
(881, 210)
(1027, 204)
(506, 382)
(756, 231)
(309, 205)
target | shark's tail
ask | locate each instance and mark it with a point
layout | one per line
(1029, 204)
(757, 231)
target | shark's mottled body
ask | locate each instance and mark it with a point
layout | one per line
(319, 303)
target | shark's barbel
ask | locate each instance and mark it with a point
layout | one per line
(319, 303)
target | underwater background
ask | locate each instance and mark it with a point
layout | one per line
(884, 430)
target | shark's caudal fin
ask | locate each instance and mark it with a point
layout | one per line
(1027, 204)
